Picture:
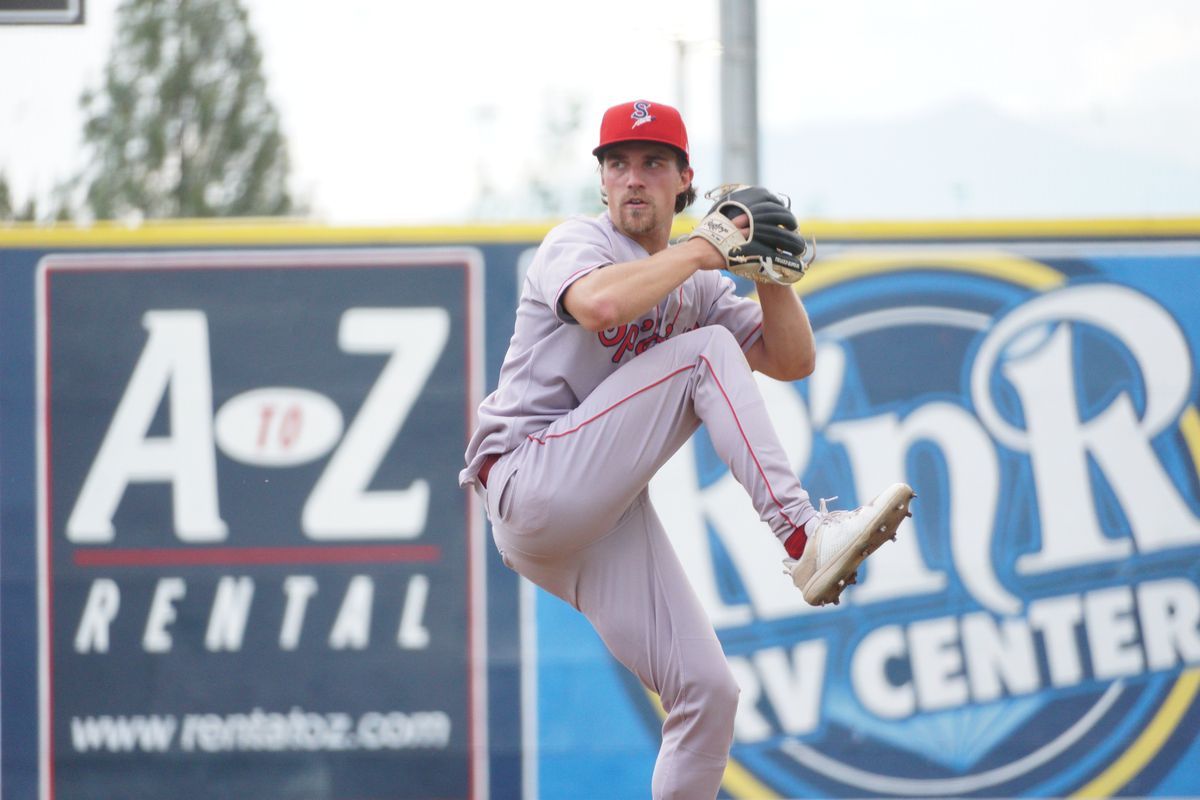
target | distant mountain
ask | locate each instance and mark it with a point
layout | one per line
(968, 161)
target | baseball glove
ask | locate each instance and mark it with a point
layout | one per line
(774, 251)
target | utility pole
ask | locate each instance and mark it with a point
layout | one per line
(739, 91)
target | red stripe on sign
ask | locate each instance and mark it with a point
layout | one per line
(223, 556)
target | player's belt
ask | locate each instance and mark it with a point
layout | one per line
(486, 467)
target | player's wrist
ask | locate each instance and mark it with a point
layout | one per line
(705, 253)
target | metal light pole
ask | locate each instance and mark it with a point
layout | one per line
(739, 91)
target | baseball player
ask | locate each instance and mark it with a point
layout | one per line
(623, 346)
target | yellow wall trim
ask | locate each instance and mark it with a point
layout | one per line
(301, 232)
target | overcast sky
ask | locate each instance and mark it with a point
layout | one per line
(395, 112)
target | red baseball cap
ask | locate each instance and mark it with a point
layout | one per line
(643, 121)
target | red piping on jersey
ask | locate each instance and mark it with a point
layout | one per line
(757, 465)
(732, 411)
(570, 279)
(753, 330)
(610, 408)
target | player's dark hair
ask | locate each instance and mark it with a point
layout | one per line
(682, 200)
(688, 195)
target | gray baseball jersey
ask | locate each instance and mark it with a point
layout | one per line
(581, 422)
(553, 363)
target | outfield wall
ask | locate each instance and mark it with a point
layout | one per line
(234, 559)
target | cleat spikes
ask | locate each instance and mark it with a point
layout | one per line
(839, 541)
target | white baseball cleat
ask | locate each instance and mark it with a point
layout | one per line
(840, 542)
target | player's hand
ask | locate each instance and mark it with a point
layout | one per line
(765, 245)
(712, 256)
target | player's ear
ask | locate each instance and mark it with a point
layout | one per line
(685, 178)
(600, 172)
(604, 193)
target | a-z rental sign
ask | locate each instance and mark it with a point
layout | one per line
(256, 574)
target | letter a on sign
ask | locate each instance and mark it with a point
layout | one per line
(175, 364)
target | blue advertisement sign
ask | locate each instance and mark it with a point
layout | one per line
(256, 574)
(235, 560)
(1035, 629)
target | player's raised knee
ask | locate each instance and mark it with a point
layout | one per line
(717, 339)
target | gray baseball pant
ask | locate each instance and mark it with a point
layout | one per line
(570, 511)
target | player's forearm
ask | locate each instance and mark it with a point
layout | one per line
(787, 349)
(620, 293)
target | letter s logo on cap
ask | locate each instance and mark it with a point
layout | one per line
(641, 113)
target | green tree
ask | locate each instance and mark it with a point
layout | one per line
(183, 126)
(8, 205)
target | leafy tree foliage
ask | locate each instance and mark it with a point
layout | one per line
(8, 205)
(183, 126)
(6, 208)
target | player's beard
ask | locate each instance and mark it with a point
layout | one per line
(639, 220)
